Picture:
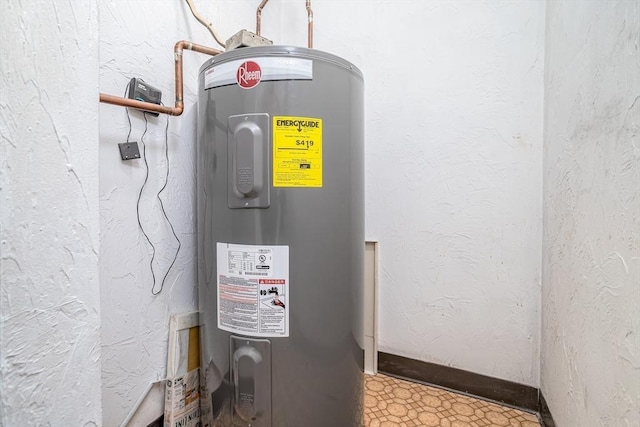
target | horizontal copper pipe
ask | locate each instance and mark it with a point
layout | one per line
(132, 103)
(179, 105)
(259, 16)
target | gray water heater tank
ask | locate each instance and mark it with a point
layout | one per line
(280, 225)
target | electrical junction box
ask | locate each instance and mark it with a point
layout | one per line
(129, 150)
(244, 38)
(142, 91)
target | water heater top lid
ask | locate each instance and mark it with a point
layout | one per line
(283, 52)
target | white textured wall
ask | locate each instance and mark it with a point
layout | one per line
(454, 101)
(453, 173)
(453, 186)
(49, 291)
(136, 40)
(591, 246)
(454, 94)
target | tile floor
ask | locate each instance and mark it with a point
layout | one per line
(390, 402)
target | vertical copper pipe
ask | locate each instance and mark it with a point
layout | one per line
(310, 24)
(179, 105)
(208, 25)
(259, 16)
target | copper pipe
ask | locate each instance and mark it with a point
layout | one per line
(310, 25)
(149, 106)
(209, 25)
(259, 16)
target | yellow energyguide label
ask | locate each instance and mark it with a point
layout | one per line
(297, 151)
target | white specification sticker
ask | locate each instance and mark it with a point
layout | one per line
(253, 289)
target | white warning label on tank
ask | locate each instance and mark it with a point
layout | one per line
(253, 289)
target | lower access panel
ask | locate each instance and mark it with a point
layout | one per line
(250, 381)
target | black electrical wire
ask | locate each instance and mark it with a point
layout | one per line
(164, 212)
(126, 90)
(146, 179)
(164, 186)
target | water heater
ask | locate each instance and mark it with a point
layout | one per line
(280, 225)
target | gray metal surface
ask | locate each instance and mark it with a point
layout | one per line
(248, 174)
(316, 372)
(250, 381)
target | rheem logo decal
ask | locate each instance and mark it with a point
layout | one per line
(248, 75)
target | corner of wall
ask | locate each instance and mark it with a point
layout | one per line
(591, 267)
(49, 299)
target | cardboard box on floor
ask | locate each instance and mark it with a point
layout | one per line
(182, 396)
